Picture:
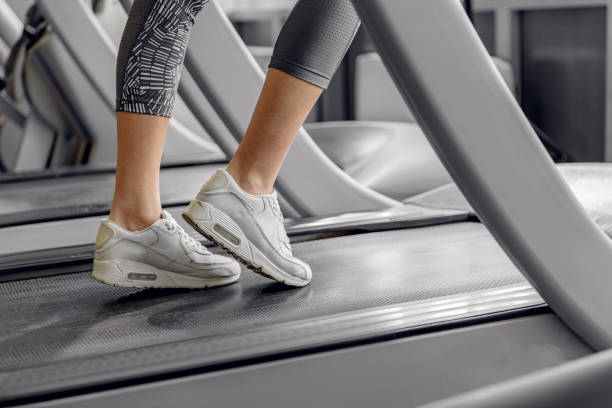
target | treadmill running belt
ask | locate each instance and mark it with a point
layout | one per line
(62, 317)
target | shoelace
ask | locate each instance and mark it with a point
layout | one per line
(188, 242)
(279, 215)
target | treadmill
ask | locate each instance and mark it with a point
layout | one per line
(402, 315)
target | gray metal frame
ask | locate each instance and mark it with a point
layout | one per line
(10, 25)
(491, 151)
(581, 383)
(28, 138)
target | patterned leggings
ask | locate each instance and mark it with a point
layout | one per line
(310, 47)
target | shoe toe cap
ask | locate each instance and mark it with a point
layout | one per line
(302, 271)
(233, 268)
(222, 265)
(228, 266)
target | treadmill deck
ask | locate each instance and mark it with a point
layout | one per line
(60, 330)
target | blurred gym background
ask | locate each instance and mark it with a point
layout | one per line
(552, 53)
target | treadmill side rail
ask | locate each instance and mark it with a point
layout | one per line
(581, 383)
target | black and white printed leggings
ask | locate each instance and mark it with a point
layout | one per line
(310, 46)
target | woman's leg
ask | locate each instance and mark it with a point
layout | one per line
(283, 106)
(237, 208)
(308, 51)
(148, 70)
(136, 202)
(141, 245)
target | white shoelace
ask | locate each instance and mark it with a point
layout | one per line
(281, 219)
(188, 242)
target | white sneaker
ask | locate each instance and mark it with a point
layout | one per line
(160, 256)
(249, 227)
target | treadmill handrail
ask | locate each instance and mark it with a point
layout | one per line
(488, 146)
(10, 24)
(91, 52)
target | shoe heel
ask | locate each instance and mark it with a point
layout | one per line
(218, 227)
(132, 274)
(106, 272)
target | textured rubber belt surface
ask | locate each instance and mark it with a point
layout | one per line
(67, 316)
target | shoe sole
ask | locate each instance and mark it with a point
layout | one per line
(133, 274)
(229, 236)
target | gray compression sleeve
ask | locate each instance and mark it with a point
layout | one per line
(314, 39)
(151, 54)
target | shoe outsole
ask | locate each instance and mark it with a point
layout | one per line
(110, 274)
(246, 262)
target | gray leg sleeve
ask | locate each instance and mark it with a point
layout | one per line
(151, 54)
(314, 39)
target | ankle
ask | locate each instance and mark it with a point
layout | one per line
(254, 186)
(251, 182)
(134, 219)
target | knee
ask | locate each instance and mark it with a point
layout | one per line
(314, 39)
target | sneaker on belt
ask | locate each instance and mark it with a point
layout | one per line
(160, 256)
(249, 227)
